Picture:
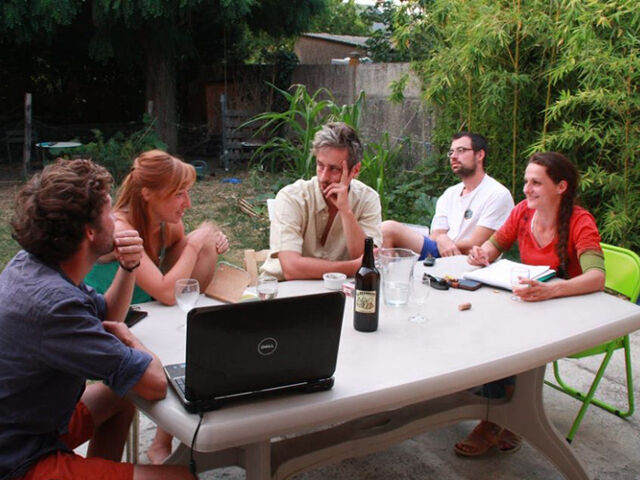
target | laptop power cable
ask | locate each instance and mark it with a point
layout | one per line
(192, 461)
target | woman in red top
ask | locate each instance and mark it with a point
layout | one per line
(550, 230)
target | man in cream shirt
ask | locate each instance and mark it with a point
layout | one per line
(319, 225)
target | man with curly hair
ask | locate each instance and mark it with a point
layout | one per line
(55, 333)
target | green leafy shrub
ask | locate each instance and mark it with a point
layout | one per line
(538, 76)
(412, 195)
(116, 154)
(609, 200)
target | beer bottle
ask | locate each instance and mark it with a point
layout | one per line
(367, 292)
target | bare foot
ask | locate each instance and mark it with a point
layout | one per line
(160, 448)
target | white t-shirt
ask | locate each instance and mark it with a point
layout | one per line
(488, 205)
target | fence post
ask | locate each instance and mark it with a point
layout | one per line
(354, 61)
(26, 150)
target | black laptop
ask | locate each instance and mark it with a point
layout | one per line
(256, 348)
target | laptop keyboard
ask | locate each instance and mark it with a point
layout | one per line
(179, 381)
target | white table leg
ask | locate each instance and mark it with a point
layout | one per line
(256, 460)
(525, 415)
(131, 452)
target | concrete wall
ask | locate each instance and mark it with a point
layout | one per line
(410, 120)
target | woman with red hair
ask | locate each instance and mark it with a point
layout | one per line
(152, 200)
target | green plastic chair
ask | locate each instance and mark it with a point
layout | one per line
(623, 276)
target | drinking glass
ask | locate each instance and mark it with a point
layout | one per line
(267, 287)
(396, 268)
(187, 291)
(516, 276)
(418, 294)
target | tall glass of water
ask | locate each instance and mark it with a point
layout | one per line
(418, 294)
(187, 291)
(267, 287)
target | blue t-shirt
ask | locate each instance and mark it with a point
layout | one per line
(51, 341)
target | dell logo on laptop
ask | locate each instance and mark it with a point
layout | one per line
(267, 346)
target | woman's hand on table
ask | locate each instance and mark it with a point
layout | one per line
(535, 291)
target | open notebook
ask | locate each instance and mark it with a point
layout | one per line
(498, 273)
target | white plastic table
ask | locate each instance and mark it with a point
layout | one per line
(58, 145)
(398, 382)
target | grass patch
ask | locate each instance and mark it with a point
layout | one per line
(8, 246)
(219, 202)
(211, 200)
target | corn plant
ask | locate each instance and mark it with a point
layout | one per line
(291, 132)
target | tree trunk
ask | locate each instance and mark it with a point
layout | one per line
(161, 90)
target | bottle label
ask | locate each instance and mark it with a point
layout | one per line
(365, 301)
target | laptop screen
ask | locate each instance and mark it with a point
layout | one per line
(252, 346)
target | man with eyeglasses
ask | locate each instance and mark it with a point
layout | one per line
(466, 213)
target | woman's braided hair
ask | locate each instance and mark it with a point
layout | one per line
(559, 168)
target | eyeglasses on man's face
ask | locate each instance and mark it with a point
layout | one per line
(458, 150)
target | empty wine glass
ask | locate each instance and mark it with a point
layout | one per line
(516, 276)
(418, 294)
(187, 291)
(267, 287)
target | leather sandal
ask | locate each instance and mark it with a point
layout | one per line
(481, 439)
(508, 442)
